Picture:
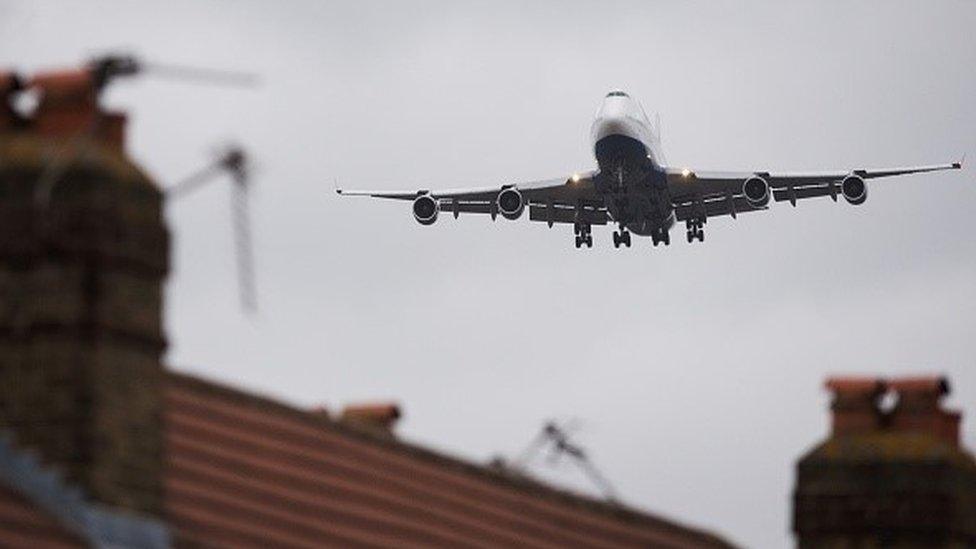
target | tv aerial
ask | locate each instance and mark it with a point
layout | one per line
(106, 68)
(231, 161)
(98, 73)
(234, 162)
(557, 438)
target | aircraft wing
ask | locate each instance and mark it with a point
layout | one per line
(721, 193)
(558, 200)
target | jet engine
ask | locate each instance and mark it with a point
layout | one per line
(425, 209)
(854, 189)
(756, 190)
(510, 203)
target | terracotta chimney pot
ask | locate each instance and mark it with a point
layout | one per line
(856, 404)
(380, 417)
(919, 407)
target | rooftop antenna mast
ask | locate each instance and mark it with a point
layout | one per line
(234, 162)
(103, 70)
(558, 440)
(106, 68)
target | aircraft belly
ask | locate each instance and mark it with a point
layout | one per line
(643, 227)
(647, 210)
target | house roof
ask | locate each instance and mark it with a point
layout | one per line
(24, 524)
(39, 508)
(243, 470)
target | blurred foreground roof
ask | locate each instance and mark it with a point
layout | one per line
(242, 469)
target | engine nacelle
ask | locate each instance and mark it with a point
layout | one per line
(854, 189)
(510, 203)
(425, 209)
(756, 191)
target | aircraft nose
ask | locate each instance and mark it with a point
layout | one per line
(611, 125)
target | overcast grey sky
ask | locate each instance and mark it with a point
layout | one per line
(697, 369)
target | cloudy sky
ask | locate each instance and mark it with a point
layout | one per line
(696, 371)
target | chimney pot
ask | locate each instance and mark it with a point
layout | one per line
(10, 84)
(69, 107)
(919, 408)
(376, 417)
(855, 405)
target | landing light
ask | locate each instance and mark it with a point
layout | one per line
(575, 178)
(685, 172)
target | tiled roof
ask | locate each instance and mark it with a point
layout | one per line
(38, 508)
(23, 524)
(247, 471)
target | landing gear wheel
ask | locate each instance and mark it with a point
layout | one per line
(660, 235)
(621, 237)
(695, 230)
(583, 235)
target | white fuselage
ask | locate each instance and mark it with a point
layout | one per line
(631, 176)
(620, 115)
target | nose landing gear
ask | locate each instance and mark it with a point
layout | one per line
(695, 230)
(621, 237)
(584, 235)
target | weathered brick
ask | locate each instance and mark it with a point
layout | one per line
(81, 317)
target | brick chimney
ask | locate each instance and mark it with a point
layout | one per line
(887, 478)
(83, 255)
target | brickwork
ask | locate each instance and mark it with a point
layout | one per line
(81, 272)
(887, 478)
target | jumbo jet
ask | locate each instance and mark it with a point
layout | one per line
(634, 187)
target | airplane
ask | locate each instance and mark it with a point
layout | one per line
(634, 187)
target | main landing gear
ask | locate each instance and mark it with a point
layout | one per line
(695, 230)
(621, 237)
(584, 235)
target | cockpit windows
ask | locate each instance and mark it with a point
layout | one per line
(617, 93)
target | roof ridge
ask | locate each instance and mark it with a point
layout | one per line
(522, 483)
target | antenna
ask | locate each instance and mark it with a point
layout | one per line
(234, 162)
(100, 72)
(106, 68)
(558, 439)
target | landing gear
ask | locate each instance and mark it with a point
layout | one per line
(661, 235)
(695, 230)
(583, 235)
(621, 237)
